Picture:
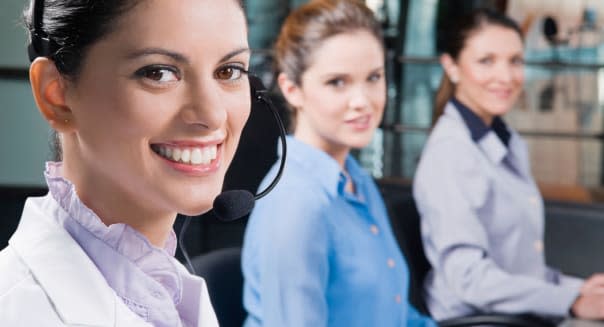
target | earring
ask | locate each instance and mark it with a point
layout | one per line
(66, 121)
(454, 79)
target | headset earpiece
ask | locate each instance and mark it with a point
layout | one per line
(257, 89)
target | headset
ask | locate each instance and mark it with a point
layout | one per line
(40, 45)
(228, 205)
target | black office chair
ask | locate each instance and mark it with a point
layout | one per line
(405, 222)
(222, 271)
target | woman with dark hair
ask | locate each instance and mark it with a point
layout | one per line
(482, 215)
(319, 250)
(148, 103)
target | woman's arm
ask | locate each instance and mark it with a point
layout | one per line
(293, 260)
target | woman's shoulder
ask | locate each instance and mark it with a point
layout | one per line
(21, 295)
(450, 130)
(296, 186)
(450, 146)
(299, 201)
(13, 271)
(451, 154)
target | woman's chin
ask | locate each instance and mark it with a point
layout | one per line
(196, 208)
(196, 211)
(360, 141)
(195, 201)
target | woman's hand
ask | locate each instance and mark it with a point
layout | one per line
(593, 285)
(589, 306)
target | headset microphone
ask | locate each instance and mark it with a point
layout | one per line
(234, 204)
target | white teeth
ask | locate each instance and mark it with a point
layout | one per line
(194, 155)
(176, 153)
(206, 155)
(185, 156)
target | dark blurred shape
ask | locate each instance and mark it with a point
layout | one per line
(11, 206)
(550, 30)
(222, 271)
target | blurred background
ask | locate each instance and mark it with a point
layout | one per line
(560, 113)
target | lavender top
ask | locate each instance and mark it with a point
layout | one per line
(149, 280)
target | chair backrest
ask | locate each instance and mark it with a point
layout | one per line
(405, 221)
(222, 271)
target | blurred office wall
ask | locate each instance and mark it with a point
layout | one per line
(23, 132)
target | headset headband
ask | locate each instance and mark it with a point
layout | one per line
(40, 44)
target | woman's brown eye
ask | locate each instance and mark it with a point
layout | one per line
(225, 73)
(155, 75)
(159, 74)
(229, 73)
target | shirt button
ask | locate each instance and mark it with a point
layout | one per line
(374, 230)
(391, 263)
(538, 246)
(534, 200)
(157, 295)
(397, 298)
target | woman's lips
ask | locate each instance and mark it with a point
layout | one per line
(189, 157)
(192, 155)
(360, 123)
(502, 94)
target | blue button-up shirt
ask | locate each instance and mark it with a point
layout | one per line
(317, 255)
(482, 223)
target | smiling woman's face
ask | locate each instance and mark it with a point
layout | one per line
(490, 71)
(158, 109)
(341, 99)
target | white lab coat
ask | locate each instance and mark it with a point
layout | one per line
(46, 279)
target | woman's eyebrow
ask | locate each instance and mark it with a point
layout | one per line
(234, 53)
(158, 51)
(179, 57)
(346, 74)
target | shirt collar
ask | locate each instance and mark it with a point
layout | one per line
(132, 266)
(316, 163)
(478, 129)
(322, 167)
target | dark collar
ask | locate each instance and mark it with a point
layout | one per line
(478, 129)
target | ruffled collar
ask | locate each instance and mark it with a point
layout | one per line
(127, 245)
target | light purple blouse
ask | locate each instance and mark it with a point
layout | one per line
(150, 281)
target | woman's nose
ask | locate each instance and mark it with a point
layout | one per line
(204, 107)
(359, 98)
(505, 73)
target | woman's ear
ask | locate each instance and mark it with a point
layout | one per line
(291, 91)
(49, 87)
(450, 67)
